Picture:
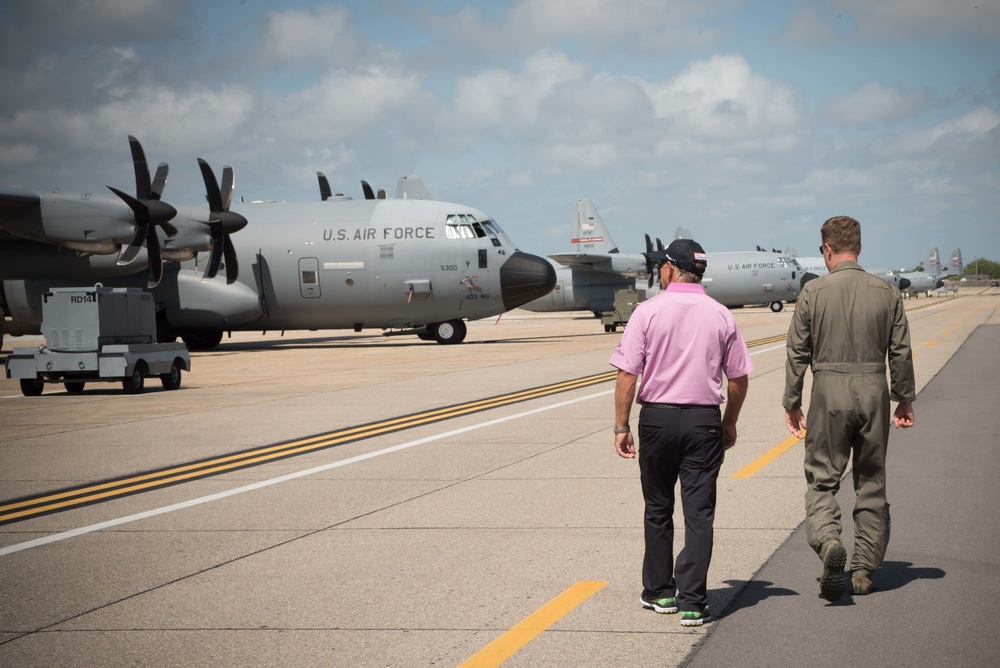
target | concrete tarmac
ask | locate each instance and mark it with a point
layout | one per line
(938, 592)
(432, 545)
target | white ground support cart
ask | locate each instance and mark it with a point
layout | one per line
(98, 334)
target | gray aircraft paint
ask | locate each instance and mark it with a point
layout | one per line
(404, 264)
(588, 275)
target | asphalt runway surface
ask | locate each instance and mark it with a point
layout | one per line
(463, 505)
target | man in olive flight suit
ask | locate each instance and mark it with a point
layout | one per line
(844, 326)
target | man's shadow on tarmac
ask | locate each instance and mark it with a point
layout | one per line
(891, 575)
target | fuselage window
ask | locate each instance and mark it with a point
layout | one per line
(309, 277)
(479, 230)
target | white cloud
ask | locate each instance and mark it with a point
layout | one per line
(722, 99)
(298, 37)
(874, 103)
(971, 127)
(652, 26)
(907, 18)
(341, 106)
(500, 97)
(185, 120)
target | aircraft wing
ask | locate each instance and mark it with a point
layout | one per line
(624, 264)
(18, 209)
(579, 259)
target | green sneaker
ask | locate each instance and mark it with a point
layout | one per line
(664, 606)
(694, 618)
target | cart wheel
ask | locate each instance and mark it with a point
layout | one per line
(32, 387)
(74, 386)
(133, 384)
(172, 380)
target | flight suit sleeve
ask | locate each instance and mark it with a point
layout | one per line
(902, 384)
(798, 348)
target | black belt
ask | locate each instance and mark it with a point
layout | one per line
(649, 404)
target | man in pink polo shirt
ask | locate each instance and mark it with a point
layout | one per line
(681, 342)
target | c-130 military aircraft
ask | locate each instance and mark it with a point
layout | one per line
(407, 266)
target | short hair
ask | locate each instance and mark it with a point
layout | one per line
(843, 234)
(682, 276)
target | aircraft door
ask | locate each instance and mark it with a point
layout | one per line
(309, 277)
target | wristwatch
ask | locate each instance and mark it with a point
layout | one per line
(622, 430)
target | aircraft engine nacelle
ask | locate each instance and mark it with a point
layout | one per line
(193, 304)
(90, 223)
(188, 242)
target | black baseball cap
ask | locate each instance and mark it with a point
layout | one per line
(687, 254)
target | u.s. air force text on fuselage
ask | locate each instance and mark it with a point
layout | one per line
(385, 234)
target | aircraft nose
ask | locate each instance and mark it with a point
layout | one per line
(904, 283)
(806, 277)
(525, 277)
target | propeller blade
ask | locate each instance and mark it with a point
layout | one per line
(147, 210)
(141, 214)
(324, 186)
(143, 190)
(153, 258)
(228, 183)
(232, 262)
(160, 180)
(215, 258)
(369, 193)
(222, 221)
(211, 187)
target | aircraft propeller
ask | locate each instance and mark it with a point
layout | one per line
(653, 259)
(222, 222)
(149, 212)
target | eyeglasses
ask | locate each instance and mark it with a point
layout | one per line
(821, 247)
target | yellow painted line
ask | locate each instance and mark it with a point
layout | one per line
(766, 458)
(930, 343)
(533, 625)
(57, 500)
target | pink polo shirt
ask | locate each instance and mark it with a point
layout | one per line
(681, 342)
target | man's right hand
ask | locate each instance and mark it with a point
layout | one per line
(796, 422)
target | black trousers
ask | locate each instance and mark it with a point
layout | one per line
(684, 443)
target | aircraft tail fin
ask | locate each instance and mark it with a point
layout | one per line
(589, 233)
(682, 233)
(955, 265)
(932, 265)
(411, 187)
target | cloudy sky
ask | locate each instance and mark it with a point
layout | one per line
(747, 122)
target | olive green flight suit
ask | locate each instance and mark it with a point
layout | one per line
(844, 326)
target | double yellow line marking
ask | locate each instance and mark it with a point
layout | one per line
(50, 502)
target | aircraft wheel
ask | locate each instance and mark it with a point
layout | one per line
(203, 341)
(172, 380)
(449, 332)
(134, 384)
(74, 386)
(776, 307)
(32, 387)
